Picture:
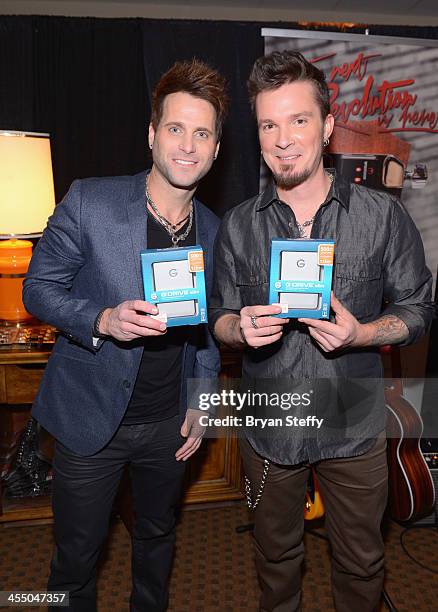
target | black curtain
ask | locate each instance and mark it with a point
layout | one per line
(231, 47)
(88, 82)
(81, 80)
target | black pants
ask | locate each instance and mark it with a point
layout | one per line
(83, 493)
(354, 491)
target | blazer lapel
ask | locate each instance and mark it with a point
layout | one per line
(137, 217)
(202, 238)
(201, 230)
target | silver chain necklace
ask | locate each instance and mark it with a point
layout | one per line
(302, 226)
(170, 228)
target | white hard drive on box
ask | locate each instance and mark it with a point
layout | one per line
(171, 275)
(300, 265)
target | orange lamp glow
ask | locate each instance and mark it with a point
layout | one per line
(14, 261)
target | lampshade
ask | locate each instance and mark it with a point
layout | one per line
(27, 196)
(27, 199)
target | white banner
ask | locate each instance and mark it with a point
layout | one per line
(384, 93)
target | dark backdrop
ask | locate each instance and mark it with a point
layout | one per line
(81, 80)
(231, 47)
(87, 82)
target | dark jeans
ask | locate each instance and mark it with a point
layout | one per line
(83, 493)
(354, 491)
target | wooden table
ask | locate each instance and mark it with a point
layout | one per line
(213, 474)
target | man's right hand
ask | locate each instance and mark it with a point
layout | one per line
(259, 327)
(130, 320)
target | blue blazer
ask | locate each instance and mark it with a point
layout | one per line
(89, 258)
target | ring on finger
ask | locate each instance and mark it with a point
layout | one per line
(254, 321)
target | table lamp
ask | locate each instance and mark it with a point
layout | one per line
(27, 198)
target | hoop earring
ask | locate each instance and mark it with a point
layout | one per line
(326, 142)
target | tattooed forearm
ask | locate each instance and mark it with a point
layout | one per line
(389, 329)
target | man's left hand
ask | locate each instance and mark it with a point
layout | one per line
(193, 431)
(346, 332)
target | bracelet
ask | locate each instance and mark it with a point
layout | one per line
(97, 320)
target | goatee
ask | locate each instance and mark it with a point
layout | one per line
(289, 181)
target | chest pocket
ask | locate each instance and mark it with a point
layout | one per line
(358, 284)
(253, 289)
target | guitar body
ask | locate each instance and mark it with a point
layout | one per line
(411, 488)
(313, 505)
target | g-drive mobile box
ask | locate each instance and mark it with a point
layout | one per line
(301, 277)
(174, 281)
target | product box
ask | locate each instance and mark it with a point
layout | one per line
(174, 280)
(300, 277)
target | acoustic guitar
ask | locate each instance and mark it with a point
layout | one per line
(411, 487)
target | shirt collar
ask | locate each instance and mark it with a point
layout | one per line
(339, 190)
